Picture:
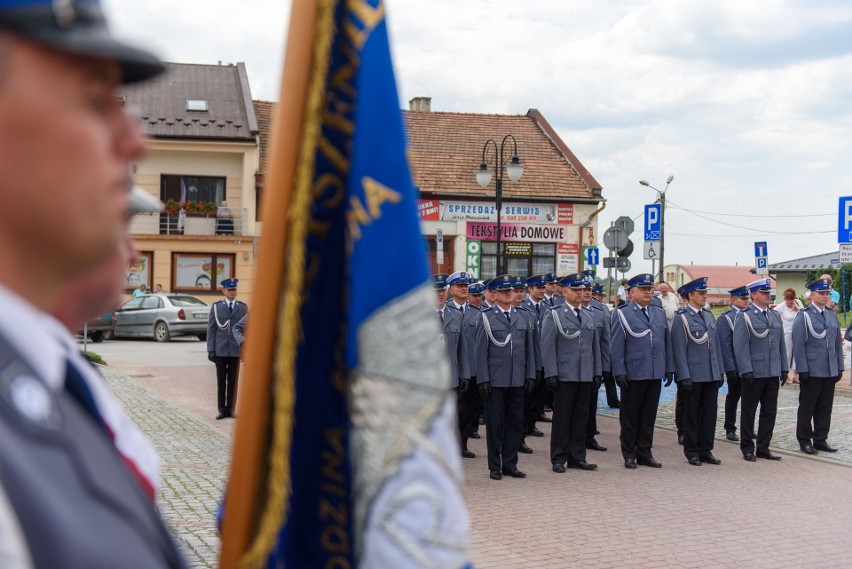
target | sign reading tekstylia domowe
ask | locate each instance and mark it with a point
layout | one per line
(517, 232)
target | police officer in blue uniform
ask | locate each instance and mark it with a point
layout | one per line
(608, 379)
(455, 345)
(762, 362)
(475, 300)
(819, 361)
(505, 366)
(602, 328)
(697, 356)
(537, 307)
(572, 363)
(725, 327)
(641, 357)
(223, 349)
(518, 303)
(66, 140)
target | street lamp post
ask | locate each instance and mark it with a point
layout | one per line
(483, 176)
(662, 198)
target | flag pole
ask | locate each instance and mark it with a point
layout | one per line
(252, 429)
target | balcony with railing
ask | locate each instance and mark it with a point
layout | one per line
(195, 224)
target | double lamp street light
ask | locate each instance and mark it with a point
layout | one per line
(662, 200)
(483, 176)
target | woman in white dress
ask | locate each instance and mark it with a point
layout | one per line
(788, 311)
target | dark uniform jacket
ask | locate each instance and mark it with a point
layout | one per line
(220, 335)
(759, 343)
(455, 345)
(818, 356)
(696, 347)
(511, 364)
(576, 357)
(640, 348)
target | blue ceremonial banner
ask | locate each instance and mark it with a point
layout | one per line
(363, 458)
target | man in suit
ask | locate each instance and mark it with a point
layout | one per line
(762, 362)
(223, 349)
(455, 342)
(818, 354)
(572, 363)
(697, 355)
(66, 146)
(739, 302)
(505, 367)
(641, 355)
(602, 337)
(608, 379)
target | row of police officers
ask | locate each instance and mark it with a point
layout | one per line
(510, 355)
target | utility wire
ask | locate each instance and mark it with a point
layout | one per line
(761, 231)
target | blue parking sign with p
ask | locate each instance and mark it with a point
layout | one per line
(844, 226)
(652, 222)
(761, 262)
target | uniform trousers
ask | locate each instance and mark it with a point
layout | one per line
(732, 401)
(637, 416)
(611, 391)
(678, 409)
(534, 403)
(816, 396)
(227, 374)
(504, 425)
(468, 412)
(570, 414)
(764, 392)
(700, 407)
(592, 421)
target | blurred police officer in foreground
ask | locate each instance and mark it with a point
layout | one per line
(641, 357)
(66, 145)
(818, 355)
(223, 348)
(725, 327)
(505, 366)
(698, 363)
(762, 362)
(572, 363)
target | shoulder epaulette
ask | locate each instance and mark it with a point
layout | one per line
(680, 310)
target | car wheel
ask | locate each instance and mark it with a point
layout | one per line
(108, 335)
(97, 337)
(202, 337)
(161, 332)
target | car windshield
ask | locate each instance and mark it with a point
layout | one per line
(186, 301)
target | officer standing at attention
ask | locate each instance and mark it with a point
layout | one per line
(538, 307)
(608, 379)
(223, 349)
(518, 303)
(818, 354)
(641, 356)
(474, 300)
(455, 343)
(66, 148)
(602, 336)
(505, 365)
(698, 363)
(572, 363)
(762, 362)
(739, 302)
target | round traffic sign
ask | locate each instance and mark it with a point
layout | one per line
(615, 239)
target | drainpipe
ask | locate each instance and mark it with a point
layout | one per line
(594, 215)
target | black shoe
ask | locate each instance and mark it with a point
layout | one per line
(536, 433)
(475, 435)
(680, 440)
(495, 475)
(694, 461)
(615, 405)
(594, 445)
(749, 456)
(710, 459)
(824, 447)
(649, 462)
(630, 463)
(514, 473)
(732, 436)
(467, 454)
(808, 449)
(525, 449)
(768, 455)
(544, 418)
(583, 465)
(221, 415)
(548, 409)
(560, 468)
(482, 420)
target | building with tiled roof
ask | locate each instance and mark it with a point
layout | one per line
(720, 278)
(203, 163)
(795, 273)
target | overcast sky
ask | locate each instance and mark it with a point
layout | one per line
(747, 104)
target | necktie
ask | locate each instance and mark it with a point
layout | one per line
(577, 312)
(441, 314)
(645, 314)
(76, 386)
(230, 307)
(507, 316)
(538, 310)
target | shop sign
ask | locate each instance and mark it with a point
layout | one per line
(517, 232)
(567, 258)
(474, 258)
(454, 210)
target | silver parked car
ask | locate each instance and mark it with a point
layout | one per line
(161, 316)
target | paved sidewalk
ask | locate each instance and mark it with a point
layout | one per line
(789, 514)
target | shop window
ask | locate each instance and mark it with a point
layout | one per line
(201, 272)
(519, 259)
